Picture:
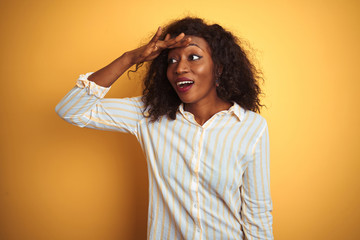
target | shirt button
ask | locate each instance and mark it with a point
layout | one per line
(198, 230)
(194, 185)
(195, 205)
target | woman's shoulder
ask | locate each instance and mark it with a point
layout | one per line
(252, 117)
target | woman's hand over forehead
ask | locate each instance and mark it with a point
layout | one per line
(151, 50)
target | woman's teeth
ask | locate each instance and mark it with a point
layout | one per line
(183, 83)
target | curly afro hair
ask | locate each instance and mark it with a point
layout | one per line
(239, 80)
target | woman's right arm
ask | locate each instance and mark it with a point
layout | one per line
(84, 104)
(108, 75)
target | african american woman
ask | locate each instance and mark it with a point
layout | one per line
(206, 146)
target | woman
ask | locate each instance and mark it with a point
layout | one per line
(207, 150)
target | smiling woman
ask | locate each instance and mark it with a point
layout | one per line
(207, 150)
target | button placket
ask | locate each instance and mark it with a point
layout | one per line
(194, 184)
(193, 161)
(197, 233)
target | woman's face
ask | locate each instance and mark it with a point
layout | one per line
(191, 72)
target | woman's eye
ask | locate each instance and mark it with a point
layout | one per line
(171, 60)
(194, 57)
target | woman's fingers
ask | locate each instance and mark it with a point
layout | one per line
(179, 37)
(179, 41)
(175, 40)
(155, 38)
(157, 35)
(155, 46)
(182, 43)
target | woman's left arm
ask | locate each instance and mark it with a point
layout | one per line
(255, 191)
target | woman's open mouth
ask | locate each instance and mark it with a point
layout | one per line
(183, 86)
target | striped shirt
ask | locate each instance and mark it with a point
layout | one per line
(205, 182)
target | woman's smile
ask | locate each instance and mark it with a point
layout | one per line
(183, 84)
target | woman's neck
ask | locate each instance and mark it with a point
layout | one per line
(203, 111)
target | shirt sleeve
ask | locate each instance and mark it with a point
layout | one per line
(256, 207)
(85, 106)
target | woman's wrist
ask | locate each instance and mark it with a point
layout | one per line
(130, 58)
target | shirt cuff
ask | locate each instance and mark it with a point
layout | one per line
(91, 87)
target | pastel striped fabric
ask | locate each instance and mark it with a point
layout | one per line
(205, 182)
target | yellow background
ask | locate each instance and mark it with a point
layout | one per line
(60, 182)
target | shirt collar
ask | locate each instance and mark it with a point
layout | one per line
(238, 111)
(235, 109)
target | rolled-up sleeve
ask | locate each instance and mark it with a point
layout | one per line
(85, 106)
(256, 207)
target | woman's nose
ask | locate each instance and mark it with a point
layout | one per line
(182, 67)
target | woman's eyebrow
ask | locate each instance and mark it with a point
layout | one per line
(194, 44)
